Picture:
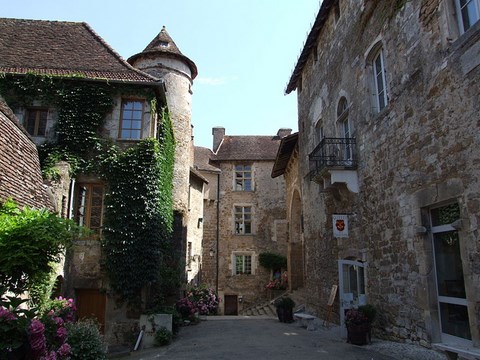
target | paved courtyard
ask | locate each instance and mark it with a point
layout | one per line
(267, 338)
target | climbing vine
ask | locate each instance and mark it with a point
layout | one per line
(138, 213)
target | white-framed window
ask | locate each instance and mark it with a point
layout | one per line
(345, 128)
(451, 293)
(379, 81)
(243, 178)
(131, 119)
(468, 13)
(243, 264)
(243, 220)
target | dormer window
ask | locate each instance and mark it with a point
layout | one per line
(163, 44)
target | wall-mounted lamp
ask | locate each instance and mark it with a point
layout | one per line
(211, 252)
(240, 299)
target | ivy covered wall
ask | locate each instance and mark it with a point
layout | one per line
(138, 211)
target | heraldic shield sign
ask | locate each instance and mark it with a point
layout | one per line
(340, 225)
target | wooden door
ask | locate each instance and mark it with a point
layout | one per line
(231, 305)
(91, 304)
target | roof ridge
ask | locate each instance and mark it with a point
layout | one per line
(120, 59)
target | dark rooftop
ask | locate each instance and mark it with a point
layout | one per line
(248, 148)
(63, 49)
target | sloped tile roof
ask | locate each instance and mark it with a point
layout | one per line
(163, 44)
(248, 148)
(202, 158)
(309, 44)
(63, 49)
(285, 151)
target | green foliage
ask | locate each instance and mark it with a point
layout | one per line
(369, 311)
(163, 336)
(86, 341)
(272, 261)
(41, 290)
(30, 241)
(138, 218)
(138, 214)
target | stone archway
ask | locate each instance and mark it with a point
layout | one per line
(295, 247)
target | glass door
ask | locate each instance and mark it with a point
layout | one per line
(352, 287)
(452, 300)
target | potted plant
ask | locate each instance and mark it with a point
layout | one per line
(359, 324)
(284, 306)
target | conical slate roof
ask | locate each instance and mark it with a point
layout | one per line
(163, 45)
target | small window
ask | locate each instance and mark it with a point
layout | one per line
(243, 264)
(131, 122)
(379, 82)
(163, 44)
(89, 206)
(243, 220)
(243, 178)
(468, 13)
(36, 122)
(319, 133)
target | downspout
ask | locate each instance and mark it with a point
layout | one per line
(217, 233)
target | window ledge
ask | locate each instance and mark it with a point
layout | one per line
(467, 39)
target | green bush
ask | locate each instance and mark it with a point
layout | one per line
(163, 337)
(272, 261)
(86, 341)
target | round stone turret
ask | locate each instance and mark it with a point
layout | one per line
(163, 59)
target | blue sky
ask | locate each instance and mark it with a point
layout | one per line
(245, 50)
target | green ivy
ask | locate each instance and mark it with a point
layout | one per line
(272, 261)
(138, 217)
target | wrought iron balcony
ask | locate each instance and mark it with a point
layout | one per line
(333, 153)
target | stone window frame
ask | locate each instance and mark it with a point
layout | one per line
(128, 129)
(377, 52)
(244, 255)
(459, 15)
(240, 169)
(83, 205)
(240, 219)
(36, 127)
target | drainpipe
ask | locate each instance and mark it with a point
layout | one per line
(217, 233)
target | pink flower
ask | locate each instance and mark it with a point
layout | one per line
(6, 314)
(64, 350)
(58, 320)
(61, 334)
(36, 337)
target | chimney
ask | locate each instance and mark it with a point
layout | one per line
(282, 132)
(218, 133)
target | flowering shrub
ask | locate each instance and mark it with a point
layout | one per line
(52, 335)
(275, 284)
(202, 300)
(355, 317)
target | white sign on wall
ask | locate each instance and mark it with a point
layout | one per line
(340, 225)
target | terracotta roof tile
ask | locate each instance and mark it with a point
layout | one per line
(63, 49)
(248, 148)
(202, 158)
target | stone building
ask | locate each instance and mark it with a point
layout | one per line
(385, 173)
(244, 216)
(56, 50)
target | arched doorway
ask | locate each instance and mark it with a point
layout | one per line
(295, 247)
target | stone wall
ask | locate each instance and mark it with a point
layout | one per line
(421, 150)
(268, 227)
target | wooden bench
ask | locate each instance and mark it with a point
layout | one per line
(305, 320)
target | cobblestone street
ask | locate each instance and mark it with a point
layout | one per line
(267, 338)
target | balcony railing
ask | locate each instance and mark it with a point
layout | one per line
(333, 153)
